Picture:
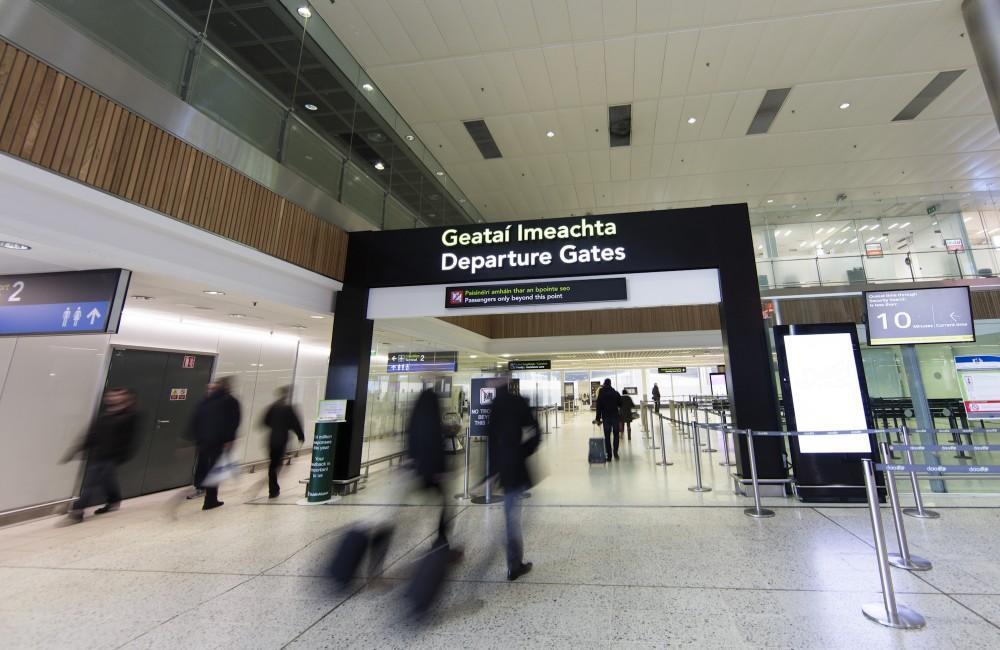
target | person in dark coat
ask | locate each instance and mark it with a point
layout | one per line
(281, 419)
(425, 448)
(656, 398)
(627, 414)
(213, 428)
(108, 443)
(609, 414)
(510, 414)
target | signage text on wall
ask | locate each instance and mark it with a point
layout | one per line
(536, 293)
(75, 302)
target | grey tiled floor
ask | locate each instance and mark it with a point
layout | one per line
(624, 557)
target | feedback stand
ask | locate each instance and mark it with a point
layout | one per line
(904, 559)
(918, 510)
(663, 446)
(756, 511)
(697, 487)
(889, 612)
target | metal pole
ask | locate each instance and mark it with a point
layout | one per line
(921, 409)
(708, 435)
(663, 446)
(903, 559)
(487, 497)
(557, 416)
(888, 612)
(918, 500)
(698, 487)
(465, 493)
(726, 461)
(756, 511)
(652, 434)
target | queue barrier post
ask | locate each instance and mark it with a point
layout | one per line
(726, 460)
(697, 487)
(757, 512)
(652, 434)
(708, 435)
(487, 497)
(904, 559)
(888, 612)
(663, 447)
(465, 496)
(918, 510)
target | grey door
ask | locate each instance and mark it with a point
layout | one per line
(168, 386)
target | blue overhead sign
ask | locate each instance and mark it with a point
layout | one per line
(78, 302)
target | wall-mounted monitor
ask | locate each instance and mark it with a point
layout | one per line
(718, 384)
(909, 316)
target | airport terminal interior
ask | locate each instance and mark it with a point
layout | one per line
(499, 323)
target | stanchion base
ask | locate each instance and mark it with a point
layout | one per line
(907, 618)
(926, 514)
(725, 464)
(463, 497)
(699, 489)
(709, 450)
(669, 462)
(763, 514)
(916, 562)
(482, 500)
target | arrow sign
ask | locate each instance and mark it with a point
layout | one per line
(954, 317)
(93, 315)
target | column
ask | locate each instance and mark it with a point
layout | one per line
(982, 23)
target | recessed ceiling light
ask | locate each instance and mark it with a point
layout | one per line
(311, 107)
(237, 315)
(214, 292)
(473, 356)
(692, 120)
(600, 352)
(461, 200)
(504, 355)
(379, 165)
(770, 200)
(143, 298)
(14, 246)
(367, 87)
(410, 138)
(550, 134)
(819, 214)
(316, 316)
(439, 173)
(305, 12)
(845, 105)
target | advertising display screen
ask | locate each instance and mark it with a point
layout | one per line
(77, 302)
(827, 393)
(718, 380)
(422, 362)
(938, 315)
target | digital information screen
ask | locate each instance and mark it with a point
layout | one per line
(332, 410)
(938, 315)
(536, 293)
(826, 393)
(77, 302)
(422, 362)
(718, 380)
(537, 364)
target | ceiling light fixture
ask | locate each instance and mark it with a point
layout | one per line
(439, 173)
(379, 165)
(214, 292)
(845, 106)
(305, 12)
(316, 316)
(473, 356)
(600, 352)
(692, 120)
(770, 200)
(819, 214)
(14, 246)
(505, 356)
(367, 87)
(550, 134)
(905, 224)
(410, 138)
(311, 107)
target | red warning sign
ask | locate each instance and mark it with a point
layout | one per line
(188, 361)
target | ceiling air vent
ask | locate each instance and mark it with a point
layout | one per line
(931, 91)
(620, 125)
(480, 134)
(768, 110)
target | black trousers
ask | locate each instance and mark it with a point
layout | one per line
(627, 425)
(611, 426)
(206, 460)
(101, 475)
(273, 469)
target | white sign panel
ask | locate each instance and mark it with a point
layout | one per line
(826, 392)
(332, 410)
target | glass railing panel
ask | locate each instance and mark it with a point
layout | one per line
(223, 92)
(362, 193)
(137, 30)
(397, 216)
(795, 273)
(765, 274)
(888, 268)
(312, 157)
(985, 262)
(841, 270)
(934, 265)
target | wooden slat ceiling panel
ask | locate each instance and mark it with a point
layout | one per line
(51, 120)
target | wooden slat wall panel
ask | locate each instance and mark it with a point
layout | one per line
(51, 120)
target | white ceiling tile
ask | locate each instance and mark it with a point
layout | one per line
(586, 19)
(603, 195)
(649, 52)
(503, 133)
(595, 120)
(641, 161)
(652, 15)
(561, 67)
(686, 14)
(559, 165)
(621, 161)
(619, 61)
(579, 162)
(456, 92)
(553, 21)
(720, 107)
(590, 73)
(486, 24)
(419, 24)
(619, 18)
(660, 161)
(620, 193)
(519, 21)
(677, 63)
(600, 166)
(668, 119)
(538, 168)
(644, 115)
(453, 26)
(357, 35)
(572, 130)
(696, 107)
(535, 77)
(476, 77)
(508, 89)
(389, 31)
(743, 112)
(585, 195)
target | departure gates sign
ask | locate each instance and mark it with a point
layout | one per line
(83, 302)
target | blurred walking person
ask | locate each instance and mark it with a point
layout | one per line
(213, 428)
(656, 398)
(108, 443)
(425, 448)
(282, 419)
(609, 414)
(510, 415)
(627, 414)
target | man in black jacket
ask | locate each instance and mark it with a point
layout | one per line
(109, 442)
(509, 416)
(281, 419)
(608, 412)
(213, 427)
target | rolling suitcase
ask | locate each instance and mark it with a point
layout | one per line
(597, 452)
(347, 558)
(427, 578)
